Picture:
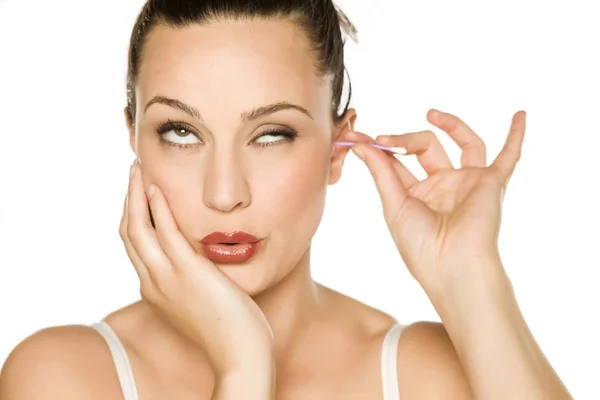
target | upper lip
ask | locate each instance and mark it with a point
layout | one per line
(229, 237)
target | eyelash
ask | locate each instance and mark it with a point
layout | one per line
(170, 125)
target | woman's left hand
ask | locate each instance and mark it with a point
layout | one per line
(446, 225)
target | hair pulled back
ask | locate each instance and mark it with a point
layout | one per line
(321, 20)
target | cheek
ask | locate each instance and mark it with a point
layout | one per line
(287, 192)
(294, 190)
(176, 186)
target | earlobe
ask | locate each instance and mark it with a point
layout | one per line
(335, 171)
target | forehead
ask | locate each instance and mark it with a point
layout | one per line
(234, 65)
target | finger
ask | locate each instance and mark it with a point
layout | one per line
(472, 146)
(406, 177)
(140, 232)
(355, 136)
(350, 136)
(139, 266)
(507, 160)
(171, 240)
(425, 145)
(388, 184)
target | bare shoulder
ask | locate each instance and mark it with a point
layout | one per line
(60, 362)
(428, 365)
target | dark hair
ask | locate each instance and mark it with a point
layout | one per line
(321, 20)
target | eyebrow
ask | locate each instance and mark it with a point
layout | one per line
(245, 116)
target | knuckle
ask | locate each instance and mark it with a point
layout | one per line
(430, 136)
(478, 143)
(513, 151)
(123, 231)
(163, 279)
(432, 139)
(149, 293)
(517, 155)
(132, 232)
(162, 292)
(153, 290)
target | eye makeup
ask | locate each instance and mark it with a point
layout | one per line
(183, 131)
(287, 134)
(180, 129)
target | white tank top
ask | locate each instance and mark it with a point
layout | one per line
(125, 374)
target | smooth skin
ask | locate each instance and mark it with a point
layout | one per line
(207, 331)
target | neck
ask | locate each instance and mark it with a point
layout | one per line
(292, 304)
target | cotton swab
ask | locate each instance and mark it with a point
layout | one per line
(395, 150)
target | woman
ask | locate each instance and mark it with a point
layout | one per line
(224, 198)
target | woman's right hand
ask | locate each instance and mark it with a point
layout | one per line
(192, 292)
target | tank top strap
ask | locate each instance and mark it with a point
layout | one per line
(120, 359)
(389, 353)
(389, 362)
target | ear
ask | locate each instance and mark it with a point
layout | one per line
(338, 153)
(130, 129)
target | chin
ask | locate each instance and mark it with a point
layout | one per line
(254, 279)
(250, 279)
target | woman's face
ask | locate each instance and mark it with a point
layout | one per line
(202, 136)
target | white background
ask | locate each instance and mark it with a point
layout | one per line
(64, 158)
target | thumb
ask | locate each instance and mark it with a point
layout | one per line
(392, 193)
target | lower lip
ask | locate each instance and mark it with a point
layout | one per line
(225, 253)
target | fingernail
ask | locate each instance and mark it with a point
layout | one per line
(151, 190)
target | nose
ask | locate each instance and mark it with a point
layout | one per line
(225, 183)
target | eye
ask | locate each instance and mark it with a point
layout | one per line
(177, 134)
(275, 136)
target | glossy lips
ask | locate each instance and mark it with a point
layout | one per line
(235, 247)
